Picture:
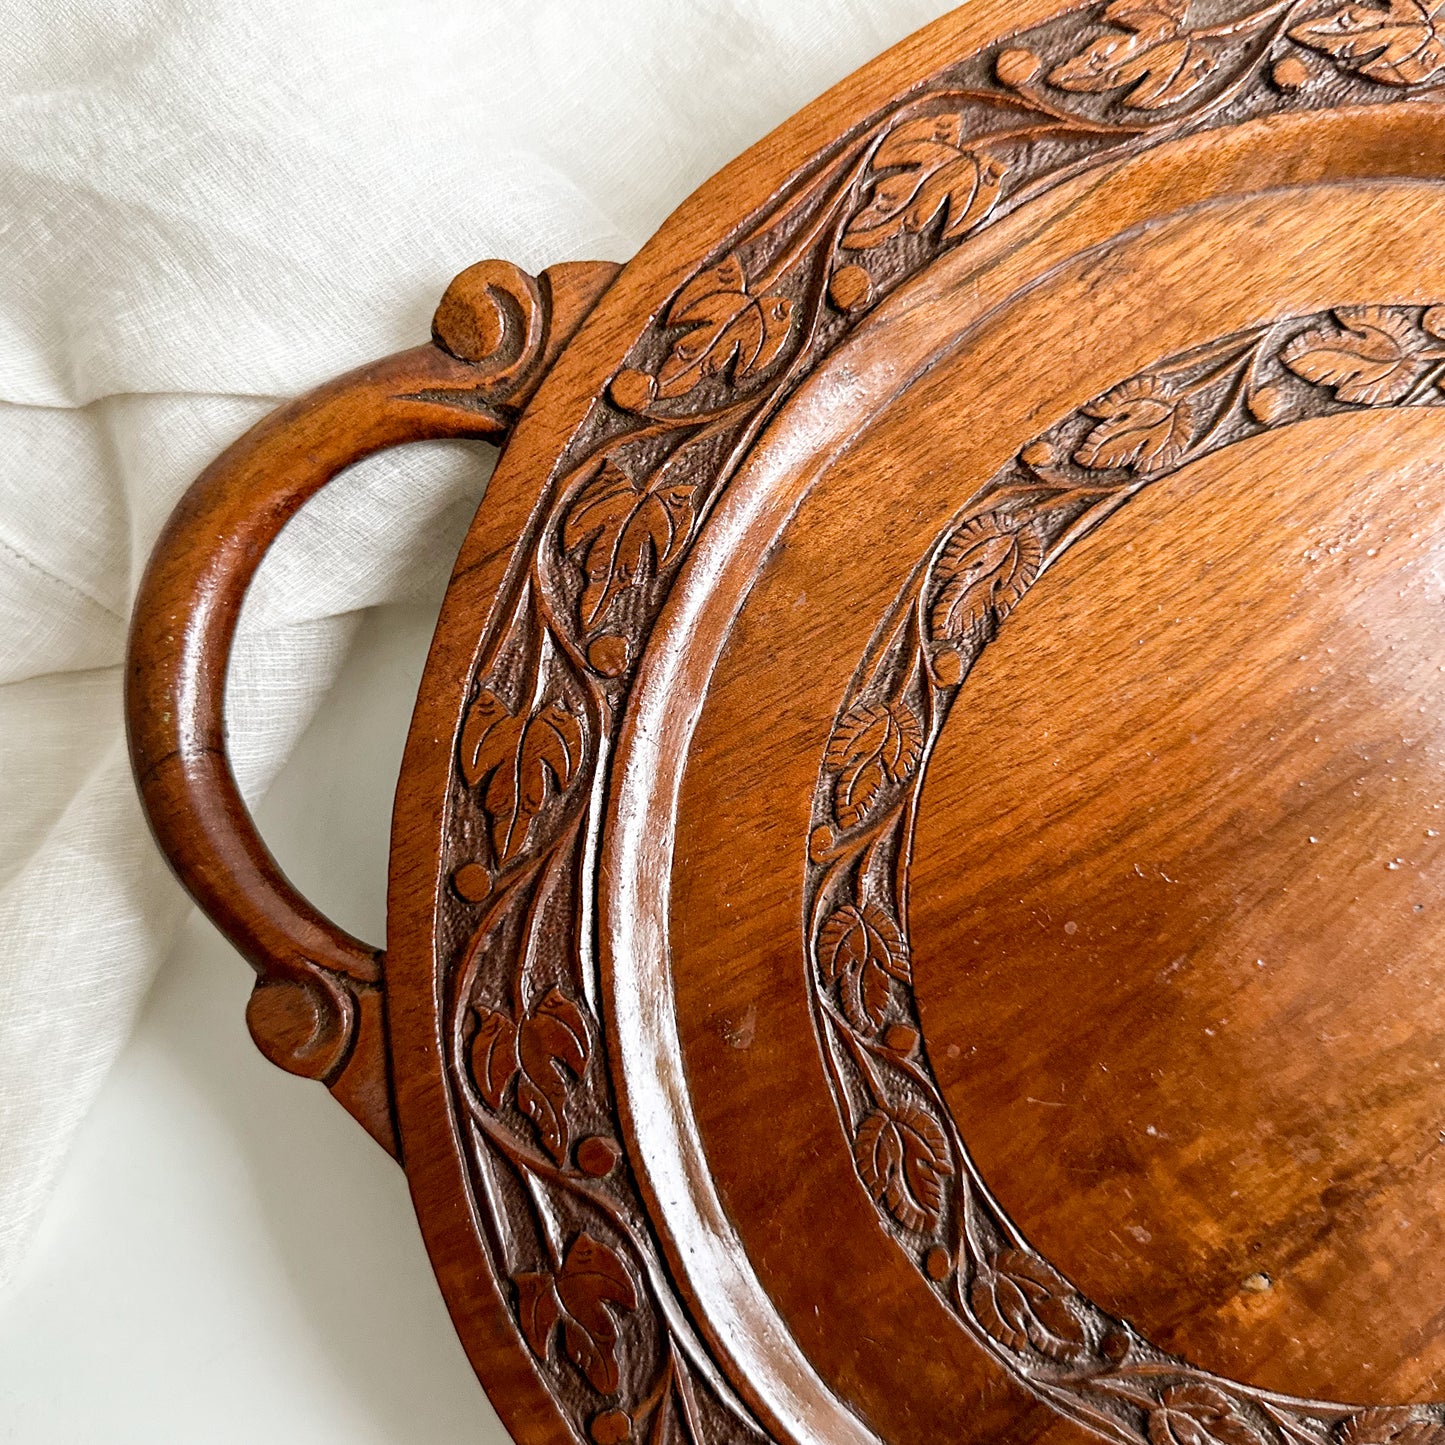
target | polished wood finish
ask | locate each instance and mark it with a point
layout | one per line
(1241, 1132)
(316, 1008)
(915, 872)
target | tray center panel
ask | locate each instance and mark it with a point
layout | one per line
(1175, 905)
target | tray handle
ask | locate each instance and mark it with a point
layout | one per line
(317, 1007)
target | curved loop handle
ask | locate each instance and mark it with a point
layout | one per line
(316, 1010)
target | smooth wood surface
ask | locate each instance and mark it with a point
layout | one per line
(914, 876)
(1177, 932)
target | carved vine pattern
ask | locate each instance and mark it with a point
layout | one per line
(908, 1150)
(521, 1025)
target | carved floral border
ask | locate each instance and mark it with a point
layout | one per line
(908, 1150)
(557, 1207)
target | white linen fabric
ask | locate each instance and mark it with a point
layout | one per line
(206, 207)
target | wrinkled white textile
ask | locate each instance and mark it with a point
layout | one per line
(208, 206)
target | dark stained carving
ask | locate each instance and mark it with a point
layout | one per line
(553, 1049)
(1151, 56)
(494, 1056)
(727, 330)
(1369, 354)
(518, 760)
(983, 571)
(1141, 425)
(585, 1295)
(623, 533)
(903, 1159)
(1390, 1427)
(1200, 1415)
(1026, 1304)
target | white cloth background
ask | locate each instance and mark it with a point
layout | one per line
(208, 205)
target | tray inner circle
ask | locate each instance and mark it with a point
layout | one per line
(1175, 911)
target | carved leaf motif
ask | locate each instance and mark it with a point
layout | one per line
(1373, 358)
(1399, 45)
(1162, 62)
(583, 1296)
(592, 1283)
(1140, 426)
(629, 531)
(1200, 1415)
(485, 722)
(728, 327)
(553, 1041)
(860, 951)
(538, 1310)
(520, 759)
(873, 744)
(903, 1160)
(1023, 1302)
(494, 1056)
(984, 570)
(935, 171)
(1390, 1427)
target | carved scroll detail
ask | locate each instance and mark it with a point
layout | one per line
(909, 1152)
(623, 506)
(511, 326)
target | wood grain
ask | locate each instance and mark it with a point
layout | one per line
(1228, 845)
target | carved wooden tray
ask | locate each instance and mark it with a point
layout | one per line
(915, 877)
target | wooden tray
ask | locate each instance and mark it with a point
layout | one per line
(915, 875)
